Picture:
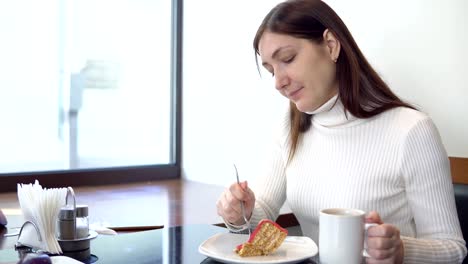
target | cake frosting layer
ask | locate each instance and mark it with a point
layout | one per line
(266, 238)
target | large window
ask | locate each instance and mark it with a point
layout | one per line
(89, 86)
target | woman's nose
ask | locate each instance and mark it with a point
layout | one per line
(281, 80)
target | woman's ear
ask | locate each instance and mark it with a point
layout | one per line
(333, 44)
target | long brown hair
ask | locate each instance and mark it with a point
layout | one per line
(361, 90)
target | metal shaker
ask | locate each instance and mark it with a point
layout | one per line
(73, 234)
(73, 223)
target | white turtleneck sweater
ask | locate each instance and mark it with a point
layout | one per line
(393, 163)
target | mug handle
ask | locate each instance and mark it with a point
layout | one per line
(366, 227)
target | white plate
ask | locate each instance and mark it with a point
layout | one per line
(221, 248)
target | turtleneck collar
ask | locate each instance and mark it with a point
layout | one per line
(332, 114)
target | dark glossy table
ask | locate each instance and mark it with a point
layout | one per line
(167, 245)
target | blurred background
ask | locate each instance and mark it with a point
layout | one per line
(87, 84)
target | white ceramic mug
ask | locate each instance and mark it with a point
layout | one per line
(342, 235)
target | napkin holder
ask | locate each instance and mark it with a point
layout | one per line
(72, 235)
(29, 236)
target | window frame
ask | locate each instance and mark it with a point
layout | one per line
(124, 174)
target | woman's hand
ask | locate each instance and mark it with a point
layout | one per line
(384, 244)
(228, 204)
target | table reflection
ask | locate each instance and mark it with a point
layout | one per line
(174, 245)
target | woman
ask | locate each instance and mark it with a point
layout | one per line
(349, 142)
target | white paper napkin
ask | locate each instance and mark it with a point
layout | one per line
(102, 230)
(41, 207)
(64, 260)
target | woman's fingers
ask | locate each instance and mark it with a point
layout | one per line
(227, 209)
(240, 191)
(383, 230)
(373, 217)
(383, 238)
(380, 254)
(384, 244)
(229, 204)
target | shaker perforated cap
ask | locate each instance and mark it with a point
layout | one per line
(66, 212)
(81, 210)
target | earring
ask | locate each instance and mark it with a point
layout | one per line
(335, 60)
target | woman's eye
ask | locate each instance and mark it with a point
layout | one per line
(290, 59)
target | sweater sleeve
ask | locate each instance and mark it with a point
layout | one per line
(270, 186)
(429, 189)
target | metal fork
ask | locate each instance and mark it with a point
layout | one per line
(247, 222)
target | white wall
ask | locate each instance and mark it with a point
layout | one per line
(228, 108)
(230, 112)
(419, 48)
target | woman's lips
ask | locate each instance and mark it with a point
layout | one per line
(295, 94)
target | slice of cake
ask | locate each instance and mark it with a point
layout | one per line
(265, 239)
